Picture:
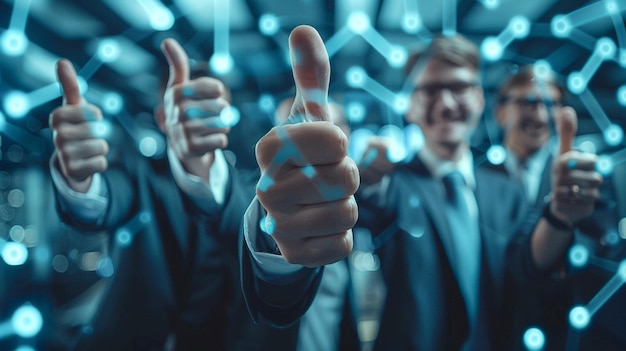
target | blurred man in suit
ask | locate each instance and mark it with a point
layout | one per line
(173, 223)
(527, 103)
(446, 287)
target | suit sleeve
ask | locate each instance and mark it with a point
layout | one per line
(276, 299)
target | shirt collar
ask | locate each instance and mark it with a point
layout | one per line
(439, 167)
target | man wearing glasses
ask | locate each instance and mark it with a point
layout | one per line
(527, 103)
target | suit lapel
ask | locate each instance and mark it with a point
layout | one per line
(431, 193)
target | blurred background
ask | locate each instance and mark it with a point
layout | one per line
(114, 44)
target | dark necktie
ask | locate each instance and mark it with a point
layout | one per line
(464, 230)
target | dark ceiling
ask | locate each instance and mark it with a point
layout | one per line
(74, 29)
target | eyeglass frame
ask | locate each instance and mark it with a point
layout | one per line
(530, 102)
(459, 89)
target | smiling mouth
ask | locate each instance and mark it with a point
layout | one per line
(533, 126)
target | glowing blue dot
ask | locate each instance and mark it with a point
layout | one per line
(268, 24)
(621, 228)
(358, 22)
(578, 255)
(355, 112)
(414, 201)
(542, 70)
(3, 122)
(414, 136)
(401, 104)
(269, 225)
(588, 146)
(27, 321)
(621, 95)
(229, 116)
(101, 129)
(613, 135)
(105, 267)
(148, 146)
(112, 103)
(108, 50)
(622, 270)
(161, 19)
(411, 23)
(604, 165)
(24, 348)
(534, 339)
(622, 58)
(491, 48)
(145, 217)
(13, 42)
(397, 57)
(355, 76)
(611, 7)
(123, 237)
(267, 103)
(491, 4)
(520, 26)
(496, 154)
(221, 63)
(579, 317)
(576, 83)
(561, 26)
(16, 104)
(605, 47)
(396, 153)
(14, 254)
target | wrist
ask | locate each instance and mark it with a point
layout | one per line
(555, 221)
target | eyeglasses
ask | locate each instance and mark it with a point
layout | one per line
(530, 103)
(431, 91)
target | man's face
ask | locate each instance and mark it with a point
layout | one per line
(525, 115)
(447, 103)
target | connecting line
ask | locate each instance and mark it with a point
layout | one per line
(588, 13)
(619, 157)
(339, 40)
(605, 264)
(90, 68)
(43, 95)
(611, 287)
(19, 15)
(595, 110)
(449, 17)
(125, 234)
(29, 141)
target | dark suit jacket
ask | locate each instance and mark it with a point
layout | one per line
(178, 273)
(281, 304)
(549, 310)
(424, 309)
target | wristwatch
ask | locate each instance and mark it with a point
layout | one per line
(554, 220)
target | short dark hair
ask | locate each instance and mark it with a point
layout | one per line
(456, 50)
(527, 75)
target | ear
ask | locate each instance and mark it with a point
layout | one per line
(159, 116)
(500, 115)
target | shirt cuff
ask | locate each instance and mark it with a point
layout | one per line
(271, 267)
(208, 197)
(89, 207)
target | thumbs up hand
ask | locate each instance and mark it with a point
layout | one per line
(307, 181)
(79, 152)
(575, 181)
(191, 113)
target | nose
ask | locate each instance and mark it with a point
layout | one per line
(447, 99)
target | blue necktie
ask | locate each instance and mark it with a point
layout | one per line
(464, 230)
